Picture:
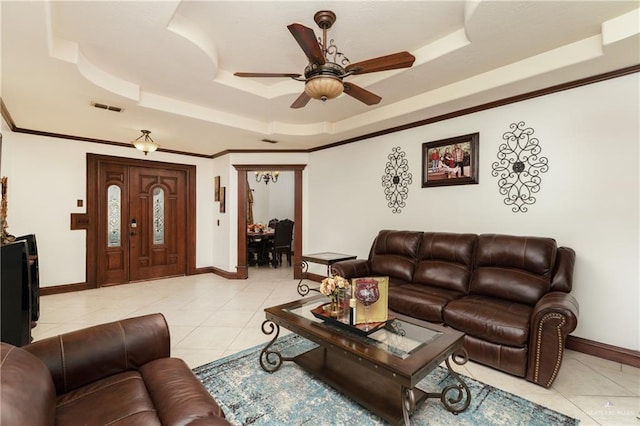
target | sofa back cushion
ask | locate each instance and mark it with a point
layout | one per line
(445, 260)
(84, 356)
(27, 394)
(513, 268)
(394, 254)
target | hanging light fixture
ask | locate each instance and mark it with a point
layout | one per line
(144, 142)
(267, 177)
(324, 81)
(324, 87)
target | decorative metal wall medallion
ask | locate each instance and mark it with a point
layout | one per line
(396, 180)
(519, 167)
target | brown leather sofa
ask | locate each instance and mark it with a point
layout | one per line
(508, 294)
(118, 373)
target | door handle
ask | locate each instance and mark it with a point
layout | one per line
(134, 224)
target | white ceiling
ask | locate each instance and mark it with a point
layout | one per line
(170, 64)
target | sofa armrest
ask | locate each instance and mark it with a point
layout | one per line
(80, 357)
(553, 318)
(27, 394)
(354, 268)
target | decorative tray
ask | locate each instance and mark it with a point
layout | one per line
(322, 314)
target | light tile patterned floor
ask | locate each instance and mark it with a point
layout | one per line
(211, 317)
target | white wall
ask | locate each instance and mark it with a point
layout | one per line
(282, 197)
(275, 200)
(46, 177)
(223, 223)
(589, 198)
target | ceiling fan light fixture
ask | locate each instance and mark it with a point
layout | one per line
(144, 142)
(328, 66)
(324, 87)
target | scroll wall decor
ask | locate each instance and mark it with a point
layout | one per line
(396, 180)
(519, 167)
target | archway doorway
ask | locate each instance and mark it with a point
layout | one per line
(242, 169)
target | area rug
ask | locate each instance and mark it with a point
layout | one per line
(250, 396)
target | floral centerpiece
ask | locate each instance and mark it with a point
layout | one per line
(331, 287)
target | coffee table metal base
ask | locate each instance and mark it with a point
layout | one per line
(303, 288)
(377, 393)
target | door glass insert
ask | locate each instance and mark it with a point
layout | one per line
(114, 207)
(158, 216)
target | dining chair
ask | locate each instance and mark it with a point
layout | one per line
(282, 242)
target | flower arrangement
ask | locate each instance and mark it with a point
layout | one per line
(331, 286)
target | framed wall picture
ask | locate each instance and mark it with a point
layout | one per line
(216, 188)
(222, 200)
(451, 161)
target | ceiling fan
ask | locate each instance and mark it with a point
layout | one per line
(327, 68)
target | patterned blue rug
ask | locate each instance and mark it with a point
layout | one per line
(250, 396)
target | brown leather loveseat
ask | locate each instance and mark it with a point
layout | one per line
(508, 294)
(118, 373)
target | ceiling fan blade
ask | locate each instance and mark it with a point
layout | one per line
(264, 74)
(361, 94)
(307, 40)
(383, 63)
(301, 101)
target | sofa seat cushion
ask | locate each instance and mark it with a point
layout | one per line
(506, 358)
(162, 392)
(121, 398)
(421, 301)
(491, 319)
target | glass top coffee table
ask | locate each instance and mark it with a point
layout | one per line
(379, 370)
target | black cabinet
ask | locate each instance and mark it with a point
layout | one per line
(15, 294)
(34, 274)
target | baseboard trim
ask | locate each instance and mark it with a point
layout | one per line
(603, 350)
(64, 288)
(198, 271)
(68, 288)
(224, 274)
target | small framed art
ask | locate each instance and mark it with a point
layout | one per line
(223, 206)
(216, 188)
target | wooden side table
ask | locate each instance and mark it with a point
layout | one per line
(325, 258)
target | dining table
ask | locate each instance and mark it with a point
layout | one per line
(260, 239)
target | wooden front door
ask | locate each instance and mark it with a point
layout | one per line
(157, 208)
(141, 223)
